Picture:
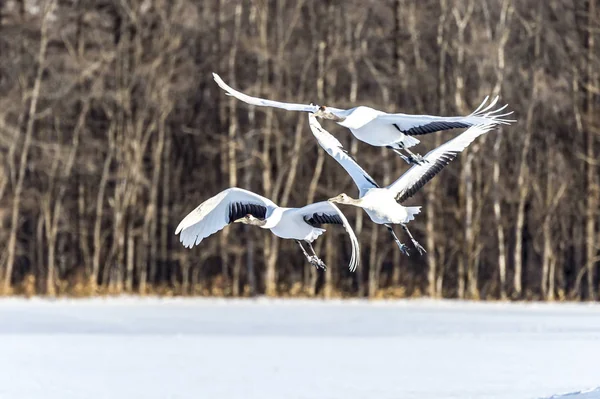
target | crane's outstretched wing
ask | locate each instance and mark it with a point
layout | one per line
(334, 148)
(414, 125)
(261, 101)
(325, 212)
(217, 212)
(435, 160)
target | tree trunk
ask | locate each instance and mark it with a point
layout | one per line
(35, 94)
(499, 220)
(373, 264)
(431, 190)
(503, 30)
(466, 190)
(523, 175)
(593, 191)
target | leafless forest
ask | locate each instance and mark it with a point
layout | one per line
(112, 130)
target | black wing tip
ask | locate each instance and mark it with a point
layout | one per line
(433, 127)
(371, 181)
(238, 210)
(367, 178)
(347, 153)
(317, 219)
(433, 170)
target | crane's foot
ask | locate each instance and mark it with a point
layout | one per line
(403, 248)
(419, 247)
(316, 262)
(416, 244)
(416, 159)
(405, 158)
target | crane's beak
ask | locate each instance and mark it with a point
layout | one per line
(334, 199)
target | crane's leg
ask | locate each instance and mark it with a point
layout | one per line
(418, 246)
(403, 247)
(312, 259)
(311, 248)
(319, 262)
(411, 158)
(397, 151)
(415, 158)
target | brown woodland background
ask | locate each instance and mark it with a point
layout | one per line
(112, 130)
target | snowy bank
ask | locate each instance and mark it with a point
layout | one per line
(270, 349)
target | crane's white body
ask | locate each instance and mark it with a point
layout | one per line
(233, 204)
(365, 124)
(289, 223)
(382, 208)
(379, 128)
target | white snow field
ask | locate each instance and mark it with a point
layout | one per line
(589, 394)
(287, 349)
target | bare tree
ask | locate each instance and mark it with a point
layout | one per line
(31, 116)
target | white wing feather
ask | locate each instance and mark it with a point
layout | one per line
(213, 214)
(261, 101)
(416, 177)
(422, 124)
(334, 148)
(328, 208)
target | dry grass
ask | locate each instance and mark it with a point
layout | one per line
(81, 288)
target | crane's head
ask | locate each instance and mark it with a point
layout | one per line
(343, 199)
(325, 113)
(249, 219)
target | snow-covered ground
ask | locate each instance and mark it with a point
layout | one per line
(587, 394)
(286, 349)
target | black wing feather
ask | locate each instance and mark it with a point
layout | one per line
(433, 127)
(238, 210)
(318, 219)
(433, 170)
(367, 178)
